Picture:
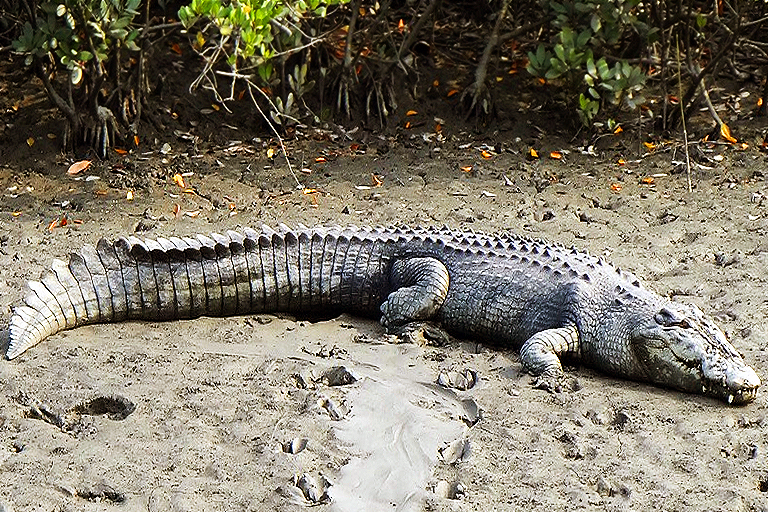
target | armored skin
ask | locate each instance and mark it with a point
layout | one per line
(548, 300)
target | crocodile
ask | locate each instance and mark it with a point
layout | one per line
(546, 299)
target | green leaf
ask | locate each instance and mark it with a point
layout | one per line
(583, 38)
(701, 21)
(595, 23)
(84, 56)
(560, 52)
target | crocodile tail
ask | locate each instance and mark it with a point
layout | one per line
(131, 278)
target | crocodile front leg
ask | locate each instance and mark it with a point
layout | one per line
(420, 285)
(540, 355)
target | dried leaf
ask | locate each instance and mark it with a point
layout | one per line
(555, 155)
(178, 179)
(533, 153)
(438, 128)
(78, 167)
(648, 180)
(622, 161)
(377, 182)
(650, 146)
(618, 130)
(121, 152)
(136, 140)
(435, 83)
(452, 92)
(271, 152)
(320, 160)
(176, 48)
(407, 125)
(129, 195)
(30, 141)
(725, 133)
(467, 168)
(16, 213)
(411, 113)
(615, 187)
(486, 154)
(176, 210)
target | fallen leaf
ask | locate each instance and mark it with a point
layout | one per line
(452, 92)
(176, 48)
(435, 83)
(320, 160)
(467, 168)
(725, 133)
(411, 113)
(271, 152)
(30, 141)
(618, 130)
(615, 187)
(407, 125)
(136, 140)
(555, 155)
(533, 153)
(129, 195)
(176, 210)
(621, 161)
(486, 154)
(650, 146)
(121, 152)
(78, 167)
(438, 128)
(178, 179)
(648, 180)
(377, 182)
(16, 213)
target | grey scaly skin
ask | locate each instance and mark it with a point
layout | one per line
(507, 290)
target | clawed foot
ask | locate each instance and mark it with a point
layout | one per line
(556, 382)
(421, 333)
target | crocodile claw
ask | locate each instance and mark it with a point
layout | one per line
(556, 382)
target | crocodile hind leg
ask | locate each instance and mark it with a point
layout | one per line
(540, 356)
(420, 285)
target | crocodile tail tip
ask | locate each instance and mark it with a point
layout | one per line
(24, 331)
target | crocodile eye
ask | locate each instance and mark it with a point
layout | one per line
(670, 318)
(667, 318)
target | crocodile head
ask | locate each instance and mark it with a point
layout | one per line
(680, 347)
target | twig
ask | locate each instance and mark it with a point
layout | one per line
(252, 86)
(682, 116)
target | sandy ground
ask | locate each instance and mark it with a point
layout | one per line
(204, 415)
